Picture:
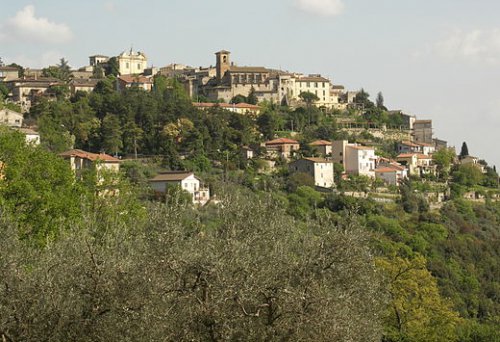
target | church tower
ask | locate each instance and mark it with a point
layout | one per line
(222, 64)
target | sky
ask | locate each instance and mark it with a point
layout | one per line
(436, 59)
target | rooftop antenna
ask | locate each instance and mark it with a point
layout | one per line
(131, 48)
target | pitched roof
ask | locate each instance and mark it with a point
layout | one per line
(390, 168)
(171, 176)
(281, 141)
(248, 69)
(410, 155)
(318, 160)
(312, 79)
(320, 143)
(409, 143)
(89, 155)
(134, 79)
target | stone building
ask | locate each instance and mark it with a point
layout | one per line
(267, 84)
(422, 131)
(321, 170)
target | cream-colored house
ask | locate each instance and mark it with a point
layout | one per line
(415, 147)
(417, 163)
(81, 161)
(132, 63)
(282, 147)
(391, 174)
(315, 84)
(185, 180)
(324, 147)
(319, 168)
(85, 85)
(11, 118)
(25, 91)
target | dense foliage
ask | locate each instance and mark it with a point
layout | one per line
(273, 260)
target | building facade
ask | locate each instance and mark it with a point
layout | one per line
(186, 181)
(320, 169)
(132, 63)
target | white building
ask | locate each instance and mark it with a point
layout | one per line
(186, 180)
(356, 159)
(132, 63)
(32, 137)
(11, 118)
(318, 168)
(360, 160)
(391, 174)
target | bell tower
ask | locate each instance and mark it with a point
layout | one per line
(222, 64)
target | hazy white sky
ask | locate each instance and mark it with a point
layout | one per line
(438, 59)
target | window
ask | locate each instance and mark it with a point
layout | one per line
(127, 65)
(316, 85)
(138, 65)
(308, 84)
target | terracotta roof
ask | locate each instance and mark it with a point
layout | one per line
(171, 176)
(134, 79)
(320, 143)
(390, 168)
(318, 160)
(89, 155)
(409, 155)
(409, 143)
(406, 155)
(281, 141)
(247, 105)
(8, 68)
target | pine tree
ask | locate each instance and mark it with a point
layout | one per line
(380, 100)
(252, 99)
(465, 150)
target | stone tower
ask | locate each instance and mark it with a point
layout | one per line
(222, 64)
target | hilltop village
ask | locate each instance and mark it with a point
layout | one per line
(232, 203)
(301, 127)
